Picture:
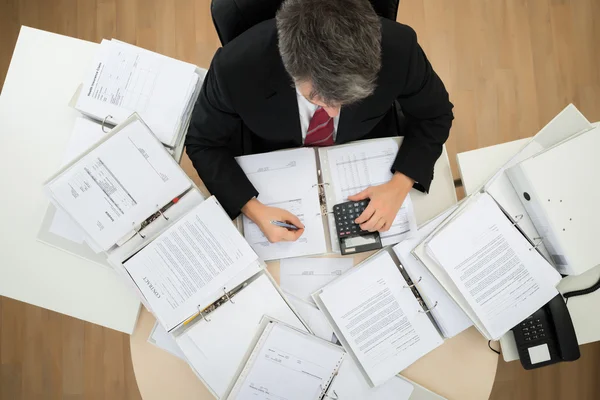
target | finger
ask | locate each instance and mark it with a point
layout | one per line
(360, 196)
(291, 219)
(385, 227)
(370, 224)
(291, 236)
(365, 215)
(380, 224)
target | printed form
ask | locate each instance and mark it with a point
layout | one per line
(287, 180)
(354, 168)
(287, 365)
(119, 184)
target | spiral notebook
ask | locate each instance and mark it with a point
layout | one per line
(286, 363)
(378, 315)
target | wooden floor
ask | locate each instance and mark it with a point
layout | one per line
(509, 65)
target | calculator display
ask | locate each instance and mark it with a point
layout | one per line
(360, 240)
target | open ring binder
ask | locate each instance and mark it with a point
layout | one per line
(539, 241)
(104, 123)
(429, 309)
(414, 284)
(227, 296)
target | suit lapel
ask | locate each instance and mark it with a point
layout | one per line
(282, 104)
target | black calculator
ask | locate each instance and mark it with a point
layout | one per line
(351, 237)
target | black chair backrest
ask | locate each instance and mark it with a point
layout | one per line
(233, 17)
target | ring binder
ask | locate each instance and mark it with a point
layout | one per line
(139, 233)
(414, 284)
(104, 123)
(518, 218)
(540, 241)
(227, 296)
(429, 309)
(163, 215)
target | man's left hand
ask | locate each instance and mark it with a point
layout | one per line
(386, 200)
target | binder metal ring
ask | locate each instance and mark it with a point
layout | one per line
(429, 309)
(138, 232)
(227, 296)
(518, 219)
(321, 184)
(539, 241)
(414, 284)
(104, 123)
(202, 314)
(163, 215)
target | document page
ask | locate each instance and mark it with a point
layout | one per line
(451, 319)
(188, 266)
(380, 318)
(355, 167)
(287, 365)
(216, 347)
(119, 184)
(288, 180)
(350, 384)
(165, 341)
(313, 318)
(302, 277)
(85, 134)
(493, 266)
(126, 79)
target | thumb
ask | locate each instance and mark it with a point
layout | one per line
(361, 196)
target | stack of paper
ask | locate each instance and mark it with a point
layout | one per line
(127, 79)
(489, 267)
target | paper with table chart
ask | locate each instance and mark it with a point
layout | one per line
(355, 167)
(118, 184)
(165, 341)
(85, 134)
(493, 266)
(216, 347)
(450, 318)
(189, 265)
(378, 318)
(287, 364)
(126, 79)
(302, 277)
(288, 180)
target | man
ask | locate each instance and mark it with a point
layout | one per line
(320, 73)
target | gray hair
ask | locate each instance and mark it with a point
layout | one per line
(333, 44)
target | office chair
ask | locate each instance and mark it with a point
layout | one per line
(233, 17)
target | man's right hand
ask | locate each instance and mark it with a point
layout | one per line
(262, 216)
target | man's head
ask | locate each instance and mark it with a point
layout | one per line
(331, 49)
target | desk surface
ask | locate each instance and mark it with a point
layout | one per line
(476, 167)
(36, 123)
(462, 368)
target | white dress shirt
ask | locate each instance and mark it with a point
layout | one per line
(306, 110)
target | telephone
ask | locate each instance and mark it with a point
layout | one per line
(547, 336)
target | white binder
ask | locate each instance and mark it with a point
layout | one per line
(560, 192)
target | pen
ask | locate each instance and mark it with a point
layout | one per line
(285, 225)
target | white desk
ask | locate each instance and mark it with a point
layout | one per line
(35, 126)
(476, 167)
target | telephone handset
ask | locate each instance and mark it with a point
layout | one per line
(547, 336)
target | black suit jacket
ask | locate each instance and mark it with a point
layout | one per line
(248, 105)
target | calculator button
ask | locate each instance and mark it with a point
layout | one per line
(526, 333)
(541, 330)
(539, 325)
(528, 338)
(534, 332)
(535, 337)
(525, 329)
(348, 232)
(342, 233)
(542, 335)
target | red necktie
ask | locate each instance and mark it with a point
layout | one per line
(320, 129)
